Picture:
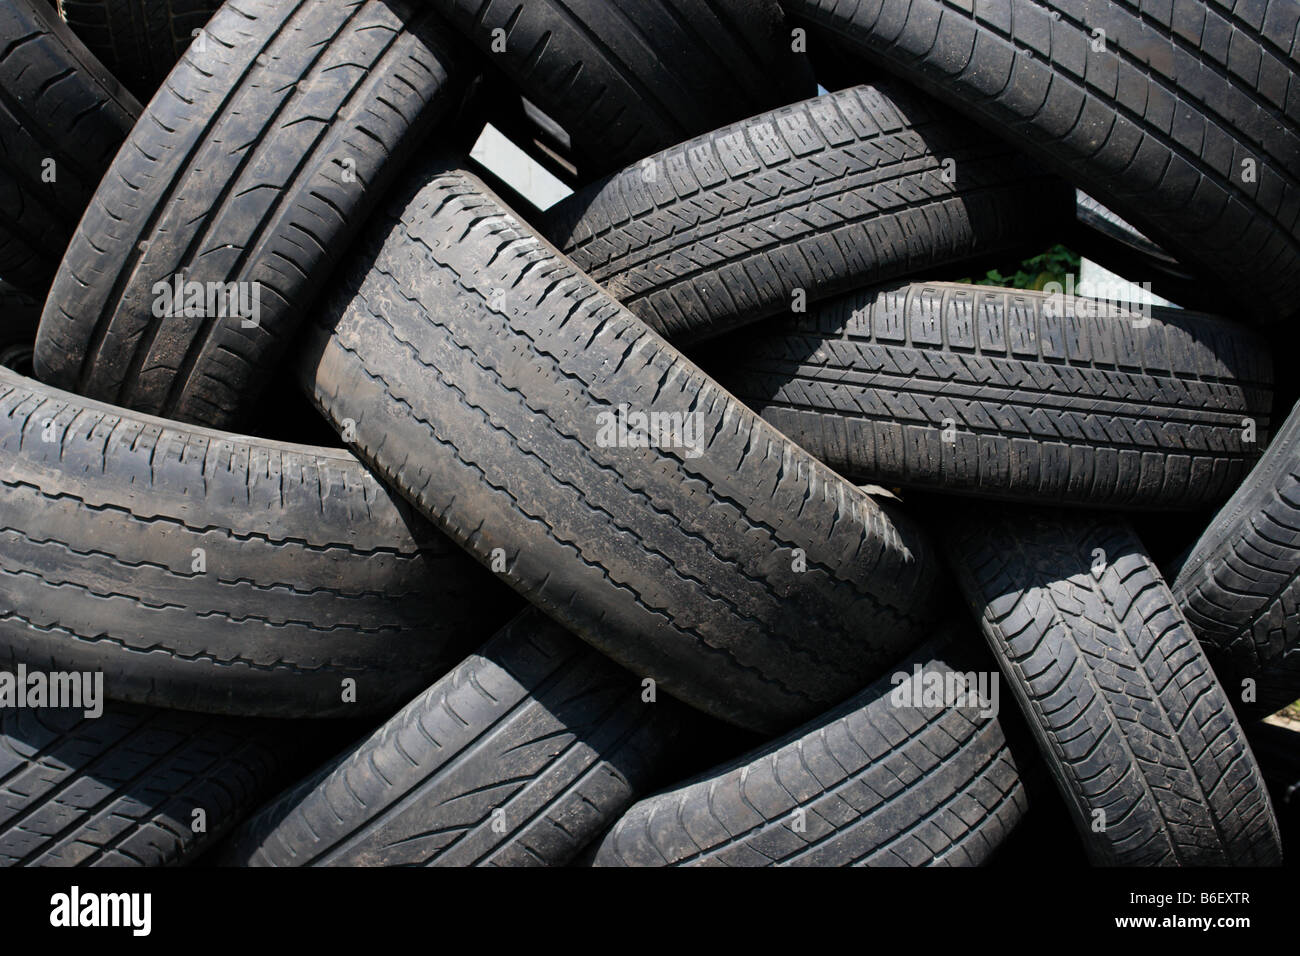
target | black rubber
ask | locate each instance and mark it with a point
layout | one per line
(311, 572)
(1105, 238)
(1240, 587)
(872, 783)
(726, 563)
(61, 115)
(139, 40)
(825, 196)
(256, 162)
(19, 316)
(624, 78)
(121, 789)
(1004, 393)
(1135, 728)
(519, 757)
(1156, 115)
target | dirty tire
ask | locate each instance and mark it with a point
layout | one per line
(281, 136)
(1127, 712)
(1012, 394)
(139, 40)
(211, 572)
(1240, 587)
(826, 196)
(1186, 123)
(520, 756)
(871, 783)
(61, 115)
(484, 377)
(121, 789)
(624, 78)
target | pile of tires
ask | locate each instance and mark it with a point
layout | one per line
(358, 509)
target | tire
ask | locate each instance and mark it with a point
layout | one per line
(519, 757)
(1093, 215)
(872, 783)
(1010, 394)
(61, 115)
(19, 316)
(1158, 125)
(826, 196)
(122, 789)
(310, 573)
(747, 579)
(1100, 235)
(1139, 735)
(1239, 587)
(310, 86)
(624, 78)
(139, 40)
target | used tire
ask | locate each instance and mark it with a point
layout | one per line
(519, 757)
(1011, 394)
(876, 782)
(139, 40)
(62, 119)
(253, 166)
(1134, 726)
(207, 571)
(624, 78)
(1183, 118)
(121, 789)
(823, 197)
(1240, 586)
(494, 384)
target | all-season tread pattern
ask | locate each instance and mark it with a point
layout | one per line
(62, 119)
(822, 197)
(139, 40)
(475, 364)
(202, 570)
(121, 789)
(873, 783)
(1240, 586)
(519, 757)
(1012, 394)
(624, 78)
(1184, 118)
(1139, 734)
(253, 166)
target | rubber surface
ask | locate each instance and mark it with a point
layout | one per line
(1182, 117)
(825, 196)
(253, 167)
(624, 78)
(519, 757)
(139, 40)
(207, 571)
(877, 782)
(122, 789)
(19, 316)
(487, 380)
(62, 119)
(1239, 587)
(1005, 393)
(1139, 735)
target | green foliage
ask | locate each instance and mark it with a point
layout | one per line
(1036, 271)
